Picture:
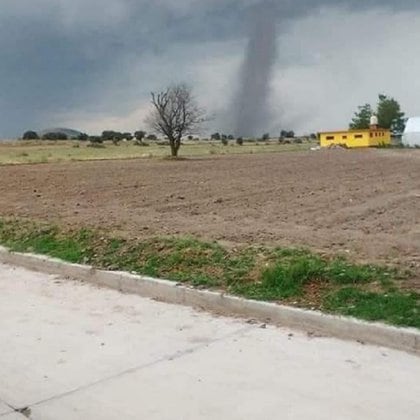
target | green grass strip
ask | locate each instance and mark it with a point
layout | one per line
(291, 276)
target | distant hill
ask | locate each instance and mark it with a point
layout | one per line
(68, 131)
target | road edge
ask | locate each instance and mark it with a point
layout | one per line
(314, 322)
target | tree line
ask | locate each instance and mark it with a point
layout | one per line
(107, 135)
(389, 113)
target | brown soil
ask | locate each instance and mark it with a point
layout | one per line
(363, 203)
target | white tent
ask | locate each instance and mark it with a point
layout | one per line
(411, 136)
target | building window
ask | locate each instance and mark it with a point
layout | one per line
(371, 135)
(330, 137)
(358, 136)
(344, 137)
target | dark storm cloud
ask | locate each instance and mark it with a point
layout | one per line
(63, 55)
(59, 55)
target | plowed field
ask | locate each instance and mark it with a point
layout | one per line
(362, 203)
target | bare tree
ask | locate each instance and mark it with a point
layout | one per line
(175, 114)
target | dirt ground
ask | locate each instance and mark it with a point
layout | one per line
(363, 203)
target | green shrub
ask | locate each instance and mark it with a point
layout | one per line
(55, 136)
(30, 135)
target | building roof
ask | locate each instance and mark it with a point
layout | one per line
(364, 130)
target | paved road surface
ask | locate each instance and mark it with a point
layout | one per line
(71, 351)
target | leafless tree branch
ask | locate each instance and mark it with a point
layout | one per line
(175, 114)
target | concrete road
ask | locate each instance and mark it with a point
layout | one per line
(72, 351)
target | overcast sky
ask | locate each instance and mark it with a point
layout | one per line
(91, 64)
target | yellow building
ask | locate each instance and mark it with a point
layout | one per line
(371, 137)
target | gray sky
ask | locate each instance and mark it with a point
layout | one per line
(90, 64)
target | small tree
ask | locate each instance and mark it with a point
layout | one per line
(390, 115)
(55, 136)
(140, 135)
(361, 119)
(96, 141)
(285, 134)
(114, 136)
(175, 114)
(127, 136)
(388, 111)
(266, 136)
(83, 137)
(152, 137)
(107, 135)
(240, 141)
(30, 135)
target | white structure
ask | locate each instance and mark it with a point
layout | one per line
(374, 122)
(411, 136)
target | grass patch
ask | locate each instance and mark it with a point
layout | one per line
(285, 278)
(24, 152)
(179, 259)
(291, 276)
(395, 308)
(44, 240)
(292, 270)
